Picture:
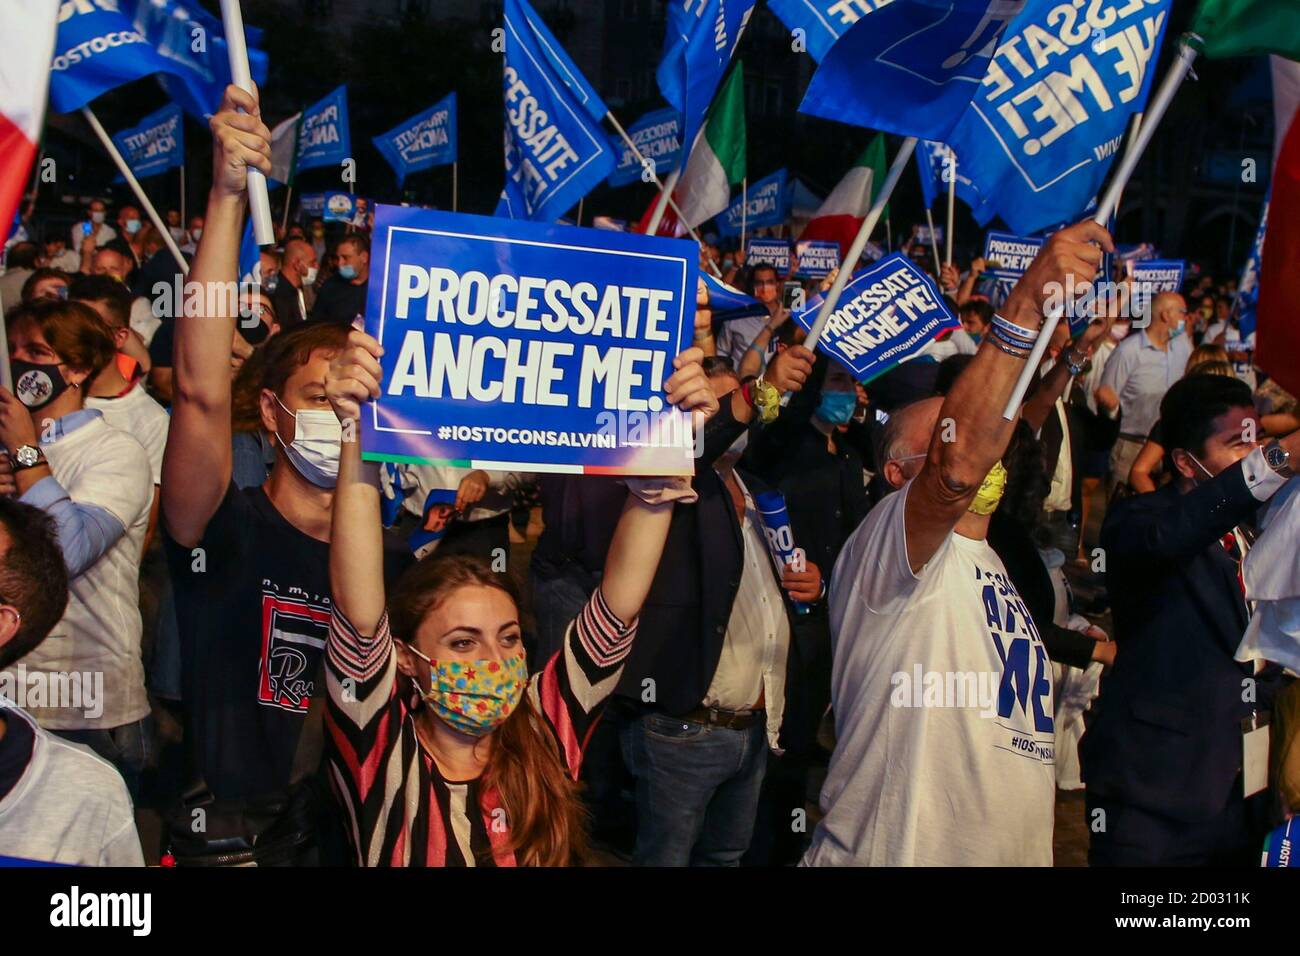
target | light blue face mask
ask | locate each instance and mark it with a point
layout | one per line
(348, 272)
(1178, 329)
(133, 226)
(837, 408)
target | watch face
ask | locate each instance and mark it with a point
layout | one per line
(1276, 456)
(27, 455)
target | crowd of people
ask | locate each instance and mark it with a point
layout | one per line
(212, 610)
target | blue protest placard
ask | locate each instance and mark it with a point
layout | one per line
(516, 345)
(324, 138)
(311, 205)
(425, 140)
(1160, 275)
(765, 203)
(339, 206)
(817, 258)
(155, 144)
(774, 252)
(658, 137)
(885, 316)
(1009, 256)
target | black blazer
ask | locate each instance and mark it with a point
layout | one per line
(1165, 734)
(683, 622)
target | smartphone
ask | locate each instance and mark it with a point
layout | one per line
(792, 297)
(87, 228)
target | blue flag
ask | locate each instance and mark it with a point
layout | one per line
(250, 255)
(910, 67)
(98, 49)
(324, 137)
(727, 303)
(1050, 117)
(768, 202)
(658, 137)
(556, 150)
(202, 68)
(155, 144)
(425, 140)
(701, 37)
(1248, 285)
(822, 21)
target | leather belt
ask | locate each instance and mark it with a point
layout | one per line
(730, 719)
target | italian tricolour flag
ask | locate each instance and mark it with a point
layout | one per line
(27, 32)
(715, 165)
(1254, 27)
(840, 216)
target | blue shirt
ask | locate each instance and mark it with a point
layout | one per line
(1140, 374)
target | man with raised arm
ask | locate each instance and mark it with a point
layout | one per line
(251, 567)
(941, 688)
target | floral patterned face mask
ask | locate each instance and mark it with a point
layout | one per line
(475, 697)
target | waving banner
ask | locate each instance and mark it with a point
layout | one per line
(766, 203)
(821, 22)
(698, 44)
(425, 140)
(887, 315)
(514, 345)
(556, 150)
(911, 67)
(324, 138)
(1050, 116)
(658, 136)
(728, 304)
(154, 145)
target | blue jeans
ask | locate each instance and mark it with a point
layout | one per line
(128, 748)
(697, 788)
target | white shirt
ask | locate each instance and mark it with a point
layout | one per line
(925, 778)
(68, 807)
(1058, 497)
(103, 236)
(68, 260)
(99, 633)
(419, 480)
(143, 322)
(141, 417)
(757, 642)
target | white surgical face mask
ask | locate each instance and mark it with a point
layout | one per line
(196, 234)
(97, 217)
(309, 277)
(314, 451)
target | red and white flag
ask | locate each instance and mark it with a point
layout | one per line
(27, 32)
(1278, 310)
(841, 214)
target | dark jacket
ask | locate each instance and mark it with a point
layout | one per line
(1165, 734)
(683, 623)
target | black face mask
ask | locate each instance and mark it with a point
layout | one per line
(257, 334)
(37, 385)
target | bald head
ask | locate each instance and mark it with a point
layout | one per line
(1169, 309)
(110, 262)
(907, 439)
(299, 260)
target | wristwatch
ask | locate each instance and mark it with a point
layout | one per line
(27, 456)
(1278, 458)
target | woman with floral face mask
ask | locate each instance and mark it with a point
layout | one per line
(444, 750)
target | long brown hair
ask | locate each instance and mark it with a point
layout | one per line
(547, 821)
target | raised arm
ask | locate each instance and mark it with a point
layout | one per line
(972, 411)
(642, 529)
(197, 463)
(356, 531)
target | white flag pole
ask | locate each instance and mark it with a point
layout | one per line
(654, 178)
(288, 203)
(744, 208)
(665, 193)
(259, 201)
(1128, 162)
(107, 142)
(934, 246)
(860, 241)
(952, 199)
